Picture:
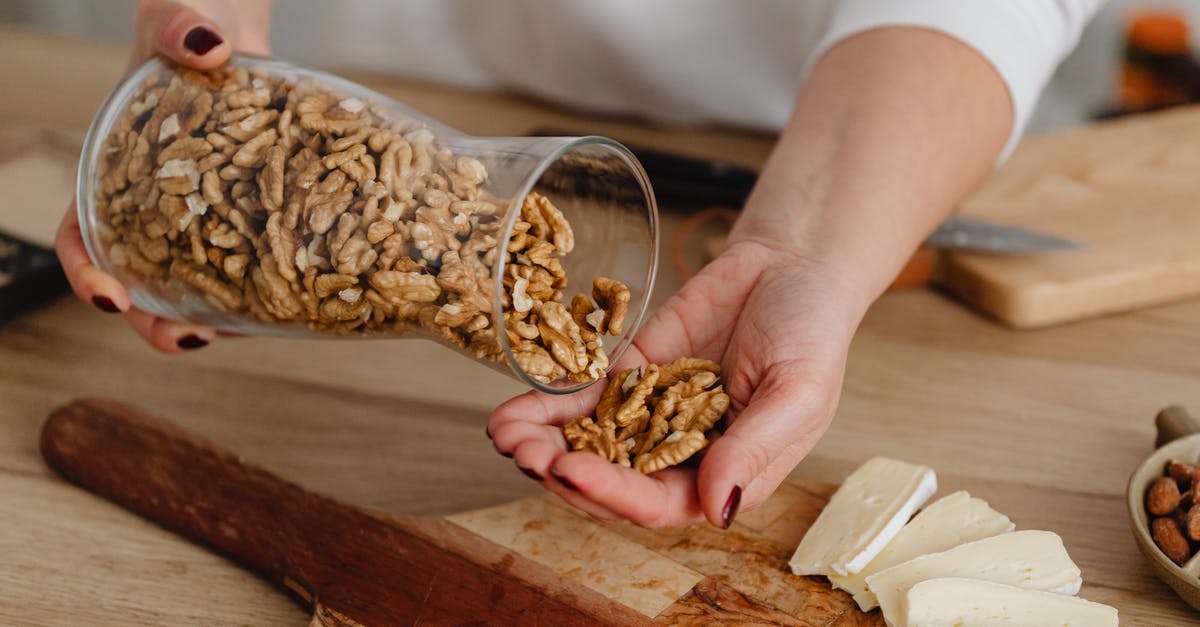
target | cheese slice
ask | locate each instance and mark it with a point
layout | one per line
(1027, 559)
(953, 602)
(952, 520)
(863, 516)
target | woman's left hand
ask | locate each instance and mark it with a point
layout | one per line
(780, 331)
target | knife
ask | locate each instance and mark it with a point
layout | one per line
(968, 234)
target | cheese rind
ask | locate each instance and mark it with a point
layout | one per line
(863, 516)
(1027, 559)
(956, 602)
(952, 520)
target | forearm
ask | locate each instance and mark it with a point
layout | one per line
(893, 128)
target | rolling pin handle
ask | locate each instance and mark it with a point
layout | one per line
(1173, 423)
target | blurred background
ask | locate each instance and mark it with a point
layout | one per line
(1085, 84)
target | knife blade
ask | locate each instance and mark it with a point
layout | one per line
(967, 233)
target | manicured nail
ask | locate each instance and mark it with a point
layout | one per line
(189, 342)
(529, 473)
(488, 431)
(731, 506)
(105, 304)
(504, 453)
(563, 480)
(200, 40)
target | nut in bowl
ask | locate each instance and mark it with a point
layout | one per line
(1161, 514)
(266, 198)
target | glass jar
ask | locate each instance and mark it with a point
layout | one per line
(265, 198)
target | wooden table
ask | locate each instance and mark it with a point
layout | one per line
(1046, 425)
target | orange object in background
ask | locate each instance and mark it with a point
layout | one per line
(1159, 70)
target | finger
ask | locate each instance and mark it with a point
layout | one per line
(536, 457)
(508, 437)
(665, 499)
(180, 33)
(695, 322)
(168, 336)
(780, 425)
(542, 408)
(87, 281)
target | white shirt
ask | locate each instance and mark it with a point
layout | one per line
(685, 61)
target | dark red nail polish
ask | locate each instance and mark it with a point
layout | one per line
(105, 304)
(529, 473)
(189, 342)
(200, 40)
(731, 506)
(563, 480)
(488, 432)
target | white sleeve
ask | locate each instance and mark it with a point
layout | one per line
(1023, 39)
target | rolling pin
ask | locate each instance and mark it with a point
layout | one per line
(352, 567)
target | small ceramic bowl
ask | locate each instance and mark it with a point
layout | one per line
(1178, 438)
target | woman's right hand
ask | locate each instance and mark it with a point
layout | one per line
(199, 34)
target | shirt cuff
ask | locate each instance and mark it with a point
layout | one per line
(1024, 40)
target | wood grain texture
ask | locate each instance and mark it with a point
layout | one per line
(1046, 425)
(356, 565)
(1127, 189)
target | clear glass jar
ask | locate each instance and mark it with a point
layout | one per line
(271, 199)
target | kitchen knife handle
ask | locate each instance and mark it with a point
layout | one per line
(919, 271)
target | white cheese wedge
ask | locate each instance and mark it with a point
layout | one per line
(952, 520)
(863, 516)
(1027, 559)
(954, 602)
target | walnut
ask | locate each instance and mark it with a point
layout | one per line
(356, 255)
(584, 434)
(560, 335)
(270, 179)
(178, 177)
(184, 149)
(701, 411)
(283, 246)
(651, 431)
(536, 362)
(399, 287)
(683, 369)
(558, 229)
(613, 297)
(675, 449)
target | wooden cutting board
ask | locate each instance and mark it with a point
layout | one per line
(1128, 189)
(534, 561)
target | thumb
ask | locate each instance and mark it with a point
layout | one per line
(780, 425)
(180, 33)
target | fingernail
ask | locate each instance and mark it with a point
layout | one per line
(189, 342)
(529, 473)
(105, 304)
(731, 506)
(488, 432)
(200, 40)
(563, 480)
(504, 453)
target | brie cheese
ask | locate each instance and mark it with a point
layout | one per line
(952, 520)
(863, 516)
(1027, 559)
(953, 602)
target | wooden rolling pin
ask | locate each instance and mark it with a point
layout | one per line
(350, 566)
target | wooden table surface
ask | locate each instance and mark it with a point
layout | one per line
(1046, 425)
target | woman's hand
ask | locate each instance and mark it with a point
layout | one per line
(780, 331)
(892, 129)
(199, 35)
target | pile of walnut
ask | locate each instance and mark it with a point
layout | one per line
(1173, 502)
(285, 202)
(653, 418)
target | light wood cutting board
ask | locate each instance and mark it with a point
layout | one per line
(533, 561)
(1128, 189)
